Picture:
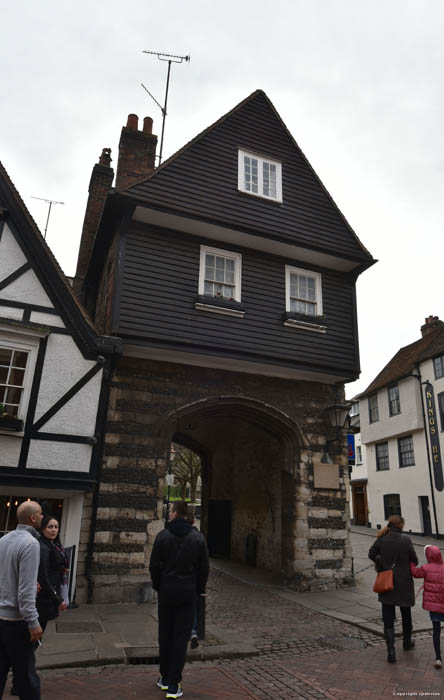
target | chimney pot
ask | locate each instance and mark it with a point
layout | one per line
(105, 158)
(147, 125)
(132, 122)
(431, 323)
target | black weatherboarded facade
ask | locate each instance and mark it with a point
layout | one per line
(229, 274)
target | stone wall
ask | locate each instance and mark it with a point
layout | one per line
(307, 525)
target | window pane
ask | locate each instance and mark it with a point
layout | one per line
(311, 289)
(208, 288)
(16, 377)
(209, 267)
(11, 410)
(220, 269)
(293, 285)
(229, 271)
(3, 375)
(302, 287)
(218, 290)
(311, 309)
(5, 356)
(13, 395)
(20, 359)
(228, 292)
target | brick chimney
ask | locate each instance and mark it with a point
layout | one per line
(99, 186)
(137, 151)
(431, 324)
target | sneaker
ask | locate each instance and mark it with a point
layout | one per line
(438, 663)
(174, 691)
(194, 641)
(162, 684)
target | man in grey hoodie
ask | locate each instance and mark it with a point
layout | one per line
(19, 623)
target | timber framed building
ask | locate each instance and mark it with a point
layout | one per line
(229, 274)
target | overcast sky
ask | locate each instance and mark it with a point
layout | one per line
(357, 82)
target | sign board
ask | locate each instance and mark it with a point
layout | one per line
(432, 423)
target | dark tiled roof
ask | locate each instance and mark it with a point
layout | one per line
(402, 364)
(200, 181)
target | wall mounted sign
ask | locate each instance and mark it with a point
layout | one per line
(351, 448)
(432, 423)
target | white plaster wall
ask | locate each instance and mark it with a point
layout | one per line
(47, 319)
(408, 482)
(11, 256)
(9, 312)
(10, 447)
(64, 366)
(409, 419)
(78, 416)
(56, 456)
(27, 289)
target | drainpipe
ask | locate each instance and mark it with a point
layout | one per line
(429, 461)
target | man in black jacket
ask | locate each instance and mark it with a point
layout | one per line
(179, 571)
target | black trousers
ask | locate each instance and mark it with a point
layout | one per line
(175, 623)
(388, 616)
(17, 652)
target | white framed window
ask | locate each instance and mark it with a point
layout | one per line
(18, 354)
(260, 176)
(220, 274)
(303, 290)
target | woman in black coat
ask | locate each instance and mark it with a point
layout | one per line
(394, 549)
(53, 563)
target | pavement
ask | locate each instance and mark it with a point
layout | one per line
(262, 641)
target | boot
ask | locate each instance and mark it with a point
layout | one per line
(389, 634)
(408, 642)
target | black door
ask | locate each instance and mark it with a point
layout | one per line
(425, 510)
(219, 528)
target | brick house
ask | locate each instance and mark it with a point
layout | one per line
(229, 274)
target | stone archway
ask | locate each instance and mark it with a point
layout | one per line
(250, 453)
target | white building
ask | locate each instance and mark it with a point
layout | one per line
(359, 505)
(404, 459)
(53, 385)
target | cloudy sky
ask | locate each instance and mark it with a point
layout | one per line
(358, 83)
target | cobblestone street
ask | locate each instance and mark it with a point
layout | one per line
(299, 653)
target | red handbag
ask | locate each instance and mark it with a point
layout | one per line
(384, 581)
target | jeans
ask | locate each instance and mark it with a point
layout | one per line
(175, 622)
(17, 652)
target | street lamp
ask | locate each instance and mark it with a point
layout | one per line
(337, 415)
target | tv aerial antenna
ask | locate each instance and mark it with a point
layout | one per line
(50, 202)
(171, 58)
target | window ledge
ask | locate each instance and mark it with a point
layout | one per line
(216, 309)
(12, 433)
(305, 325)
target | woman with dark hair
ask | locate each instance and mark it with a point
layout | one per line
(53, 563)
(393, 549)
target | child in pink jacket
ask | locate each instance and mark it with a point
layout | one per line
(433, 596)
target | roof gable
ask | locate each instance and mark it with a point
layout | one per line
(201, 181)
(30, 274)
(402, 364)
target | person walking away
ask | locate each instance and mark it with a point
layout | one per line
(433, 595)
(179, 570)
(19, 624)
(393, 549)
(53, 563)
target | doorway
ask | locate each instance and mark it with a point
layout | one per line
(360, 508)
(425, 513)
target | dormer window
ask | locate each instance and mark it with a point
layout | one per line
(260, 176)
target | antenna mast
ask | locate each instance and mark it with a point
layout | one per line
(50, 202)
(171, 58)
